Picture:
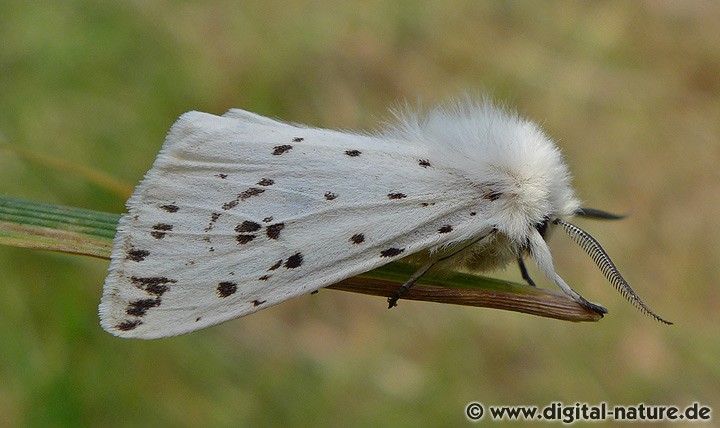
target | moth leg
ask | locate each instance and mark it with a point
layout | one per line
(590, 305)
(577, 297)
(524, 272)
(392, 301)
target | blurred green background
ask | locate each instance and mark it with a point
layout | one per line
(631, 91)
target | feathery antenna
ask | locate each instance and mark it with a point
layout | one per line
(606, 265)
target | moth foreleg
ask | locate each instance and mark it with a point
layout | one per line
(392, 301)
(524, 272)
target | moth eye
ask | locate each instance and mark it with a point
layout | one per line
(542, 226)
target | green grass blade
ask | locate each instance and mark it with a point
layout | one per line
(38, 225)
(468, 290)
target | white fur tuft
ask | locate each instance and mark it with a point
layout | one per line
(495, 148)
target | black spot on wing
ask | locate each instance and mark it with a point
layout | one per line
(249, 193)
(330, 196)
(213, 218)
(247, 226)
(492, 195)
(139, 308)
(222, 176)
(160, 230)
(268, 219)
(171, 208)
(445, 229)
(275, 266)
(137, 255)
(264, 278)
(391, 252)
(297, 139)
(266, 182)
(258, 302)
(157, 289)
(473, 213)
(294, 261)
(424, 163)
(273, 231)
(353, 153)
(396, 196)
(357, 238)
(230, 204)
(226, 288)
(155, 285)
(128, 325)
(244, 239)
(278, 150)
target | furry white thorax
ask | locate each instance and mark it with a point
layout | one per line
(499, 153)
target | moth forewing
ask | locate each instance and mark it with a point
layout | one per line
(241, 212)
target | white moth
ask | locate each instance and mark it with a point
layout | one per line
(241, 212)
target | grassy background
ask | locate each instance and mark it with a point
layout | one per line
(630, 91)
